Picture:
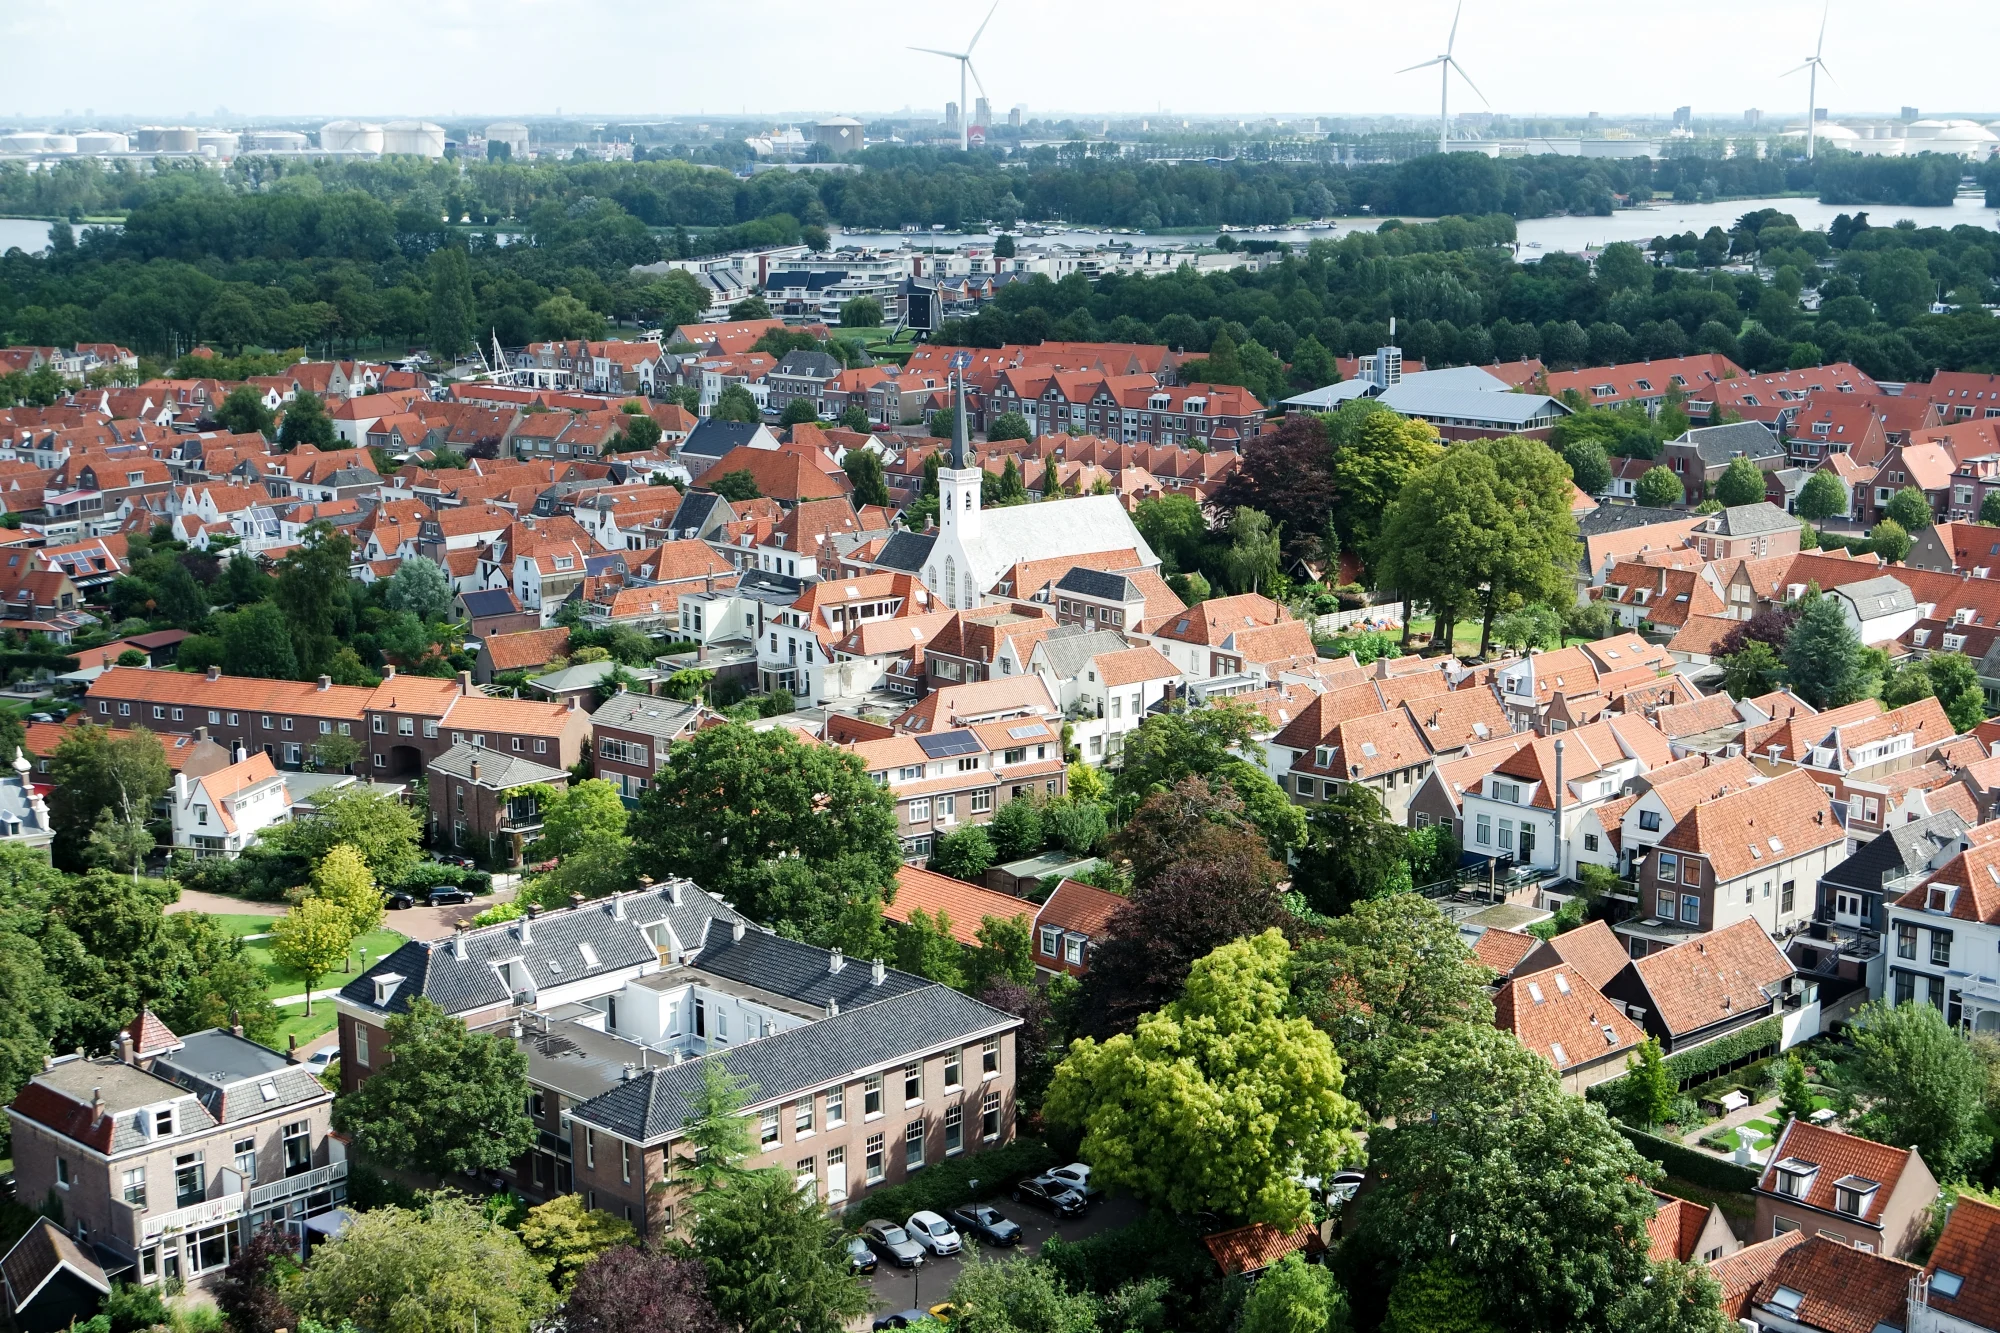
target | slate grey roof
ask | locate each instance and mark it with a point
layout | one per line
(1751, 520)
(458, 985)
(1719, 444)
(125, 1088)
(803, 364)
(906, 551)
(497, 768)
(1330, 396)
(654, 1104)
(1068, 654)
(700, 513)
(236, 1079)
(651, 714)
(1897, 852)
(584, 675)
(490, 602)
(1884, 595)
(1099, 583)
(1617, 518)
(1469, 404)
(712, 438)
(38, 1256)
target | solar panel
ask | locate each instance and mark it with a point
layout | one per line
(949, 743)
(1024, 733)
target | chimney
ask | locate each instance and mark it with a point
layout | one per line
(326, 682)
(674, 892)
(201, 733)
(1560, 840)
(475, 772)
(465, 682)
(575, 901)
(96, 1105)
(237, 753)
(458, 942)
(736, 930)
(180, 788)
(291, 1043)
(215, 673)
(125, 1048)
(524, 928)
(627, 1074)
(835, 961)
(833, 1008)
(618, 907)
(877, 974)
(389, 671)
(534, 910)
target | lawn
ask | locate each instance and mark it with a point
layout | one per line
(368, 950)
(294, 1023)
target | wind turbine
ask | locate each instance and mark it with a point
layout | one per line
(1446, 65)
(1816, 66)
(964, 59)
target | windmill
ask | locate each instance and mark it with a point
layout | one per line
(1815, 67)
(964, 59)
(1446, 64)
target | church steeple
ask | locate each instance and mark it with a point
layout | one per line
(960, 451)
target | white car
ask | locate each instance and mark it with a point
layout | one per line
(319, 1060)
(1076, 1173)
(932, 1232)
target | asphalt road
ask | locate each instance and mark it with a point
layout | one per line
(918, 1289)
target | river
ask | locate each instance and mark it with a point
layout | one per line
(1561, 233)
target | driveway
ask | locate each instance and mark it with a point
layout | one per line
(436, 923)
(919, 1288)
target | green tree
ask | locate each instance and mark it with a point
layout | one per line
(1741, 483)
(1823, 655)
(243, 582)
(965, 854)
(91, 774)
(795, 835)
(1675, 1297)
(1381, 977)
(1589, 468)
(1294, 1297)
(776, 1258)
(1077, 825)
(1004, 953)
(1954, 679)
(1016, 829)
(563, 317)
(563, 1235)
(1531, 626)
(1018, 1295)
(342, 878)
(444, 1265)
(1253, 558)
(1009, 426)
(738, 485)
(1220, 1100)
(735, 404)
(1910, 508)
(1437, 1297)
(640, 435)
(381, 828)
(1353, 852)
(1659, 488)
(717, 1135)
(1374, 458)
(573, 817)
(243, 412)
(860, 312)
(1926, 1084)
(855, 418)
(306, 422)
(449, 1100)
(1751, 670)
(1822, 497)
(864, 469)
(453, 308)
(1795, 1098)
(1007, 488)
(1648, 1088)
(118, 844)
(1312, 365)
(1174, 526)
(312, 591)
(798, 412)
(312, 940)
(257, 641)
(1890, 540)
(926, 947)
(420, 587)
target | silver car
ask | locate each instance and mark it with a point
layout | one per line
(892, 1243)
(933, 1233)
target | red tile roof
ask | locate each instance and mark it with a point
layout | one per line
(1082, 908)
(1759, 828)
(1837, 1156)
(1256, 1247)
(1969, 1248)
(1674, 1228)
(965, 906)
(1840, 1289)
(1706, 979)
(526, 648)
(1561, 1017)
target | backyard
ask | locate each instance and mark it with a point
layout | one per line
(282, 982)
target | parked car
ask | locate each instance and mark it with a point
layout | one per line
(860, 1259)
(892, 1243)
(450, 859)
(396, 902)
(321, 1060)
(1344, 1185)
(44, 717)
(932, 1232)
(984, 1223)
(1048, 1192)
(444, 895)
(900, 1319)
(1077, 1176)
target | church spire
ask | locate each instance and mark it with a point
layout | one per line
(960, 452)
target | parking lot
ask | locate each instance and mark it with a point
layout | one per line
(918, 1289)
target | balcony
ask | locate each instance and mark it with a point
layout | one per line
(290, 1187)
(206, 1213)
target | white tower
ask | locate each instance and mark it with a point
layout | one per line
(958, 506)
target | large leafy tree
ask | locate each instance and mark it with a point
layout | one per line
(628, 1288)
(93, 774)
(1741, 483)
(312, 591)
(1376, 453)
(1017, 1295)
(1674, 1297)
(312, 940)
(1353, 852)
(256, 641)
(565, 1235)
(586, 811)
(864, 469)
(1216, 742)
(244, 413)
(442, 1265)
(1910, 508)
(1286, 474)
(452, 306)
(1293, 1296)
(1822, 655)
(776, 1258)
(450, 1100)
(795, 835)
(1219, 1101)
(306, 422)
(1821, 497)
(1925, 1083)
(1193, 821)
(1379, 978)
(421, 588)
(1492, 1167)
(380, 829)
(1659, 488)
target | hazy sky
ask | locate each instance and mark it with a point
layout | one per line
(379, 58)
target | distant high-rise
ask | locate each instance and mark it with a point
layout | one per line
(1683, 117)
(982, 112)
(1910, 113)
(1819, 113)
(1753, 118)
(1014, 116)
(951, 118)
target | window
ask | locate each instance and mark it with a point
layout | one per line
(954, 1128)
(1792, 1184)
(836, 1107)
(913, 1083)
(871, 1096)
(298, 1147)
(381, 724)
(1073, 949)
(360, 1045)
(287, 726)
(953, 1063)
(802, 1117)
(1670, 865)
(874, 1159)
(62, 1172)
(590, 1150)
(246, 1159)
(989, 1057)
(1690, 871)
(913, 1145)
(135, 1187)
(989, 1117)
(1590, 842)
(920, 811)
(982, 802)
(190, 1179)
(1050, 935)
(1787, 896)
(1690, 910)
(805, 1177)
(836, 1174)
(1482, 832)
(1852, 1199)
(1666, 906)
(625, 1162)
(1940, 948)
(1906, 940)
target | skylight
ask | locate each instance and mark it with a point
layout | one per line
(1535, 992)
(1562, 1057)
(1946, 1284)
(589, 955)
(1562, 983)
(1785, 1300)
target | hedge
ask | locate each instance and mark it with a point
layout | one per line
(1696, 1167)
(427, 875)
(1691, 1066)
(947, 1184)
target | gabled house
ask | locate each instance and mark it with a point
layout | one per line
(1073, 921)
(1689, 1232)
(1713, 985)
(1852, 1191)
(1822, 1286)
(1959, 1291)
(1561, 1017)
(1943, 937)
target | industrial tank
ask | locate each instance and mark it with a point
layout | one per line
(415, 138)
(102, 141)
(59, 143)
(350, 136)
(512, 133)
(274, 141)
(179, 139)
(217, 143)
(25, 141)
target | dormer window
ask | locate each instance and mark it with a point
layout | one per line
(385, 988)
(1854, 1194)
(163, 1123)
(1795, 1177)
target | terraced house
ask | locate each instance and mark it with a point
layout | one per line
(862, 1074)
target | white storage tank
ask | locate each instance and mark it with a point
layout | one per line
(179, 139)
(413, 138)
(350, 136)
(274, 141)
(102, 141)
(218, 143)
(59, 143)
(512, 133)
(24, 141)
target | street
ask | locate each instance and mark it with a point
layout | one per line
(911, 1289)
